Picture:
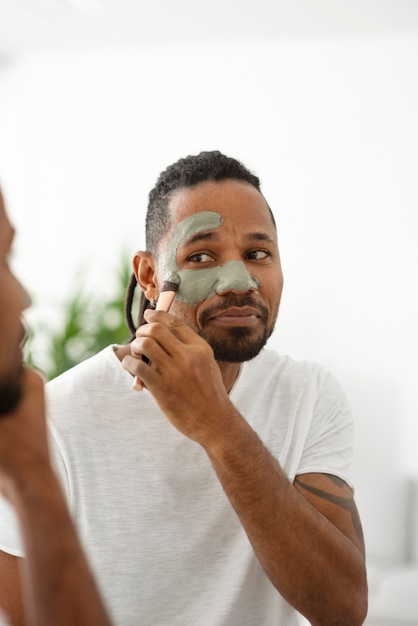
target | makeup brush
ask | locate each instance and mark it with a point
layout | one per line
(165, 300)
(168, 292)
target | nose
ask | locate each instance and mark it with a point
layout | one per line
(234, 276)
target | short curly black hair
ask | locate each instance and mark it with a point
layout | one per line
(186, 172)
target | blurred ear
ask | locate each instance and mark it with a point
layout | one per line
(144, 267)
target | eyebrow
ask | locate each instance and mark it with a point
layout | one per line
(197, 237)
(213, 236)
(260, 236)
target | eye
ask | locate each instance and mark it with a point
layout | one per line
(200, 257)
(257, 255)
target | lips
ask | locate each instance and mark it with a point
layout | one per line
(233, 310)
(236, 311)
(236, 316)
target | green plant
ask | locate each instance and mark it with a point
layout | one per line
(88, 326)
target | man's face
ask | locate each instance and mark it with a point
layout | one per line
(13, 300)
(233, 266)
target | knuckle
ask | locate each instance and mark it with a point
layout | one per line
(146, 344)
(176, 322)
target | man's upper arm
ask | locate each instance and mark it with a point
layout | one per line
(334, 499)
(10, 589)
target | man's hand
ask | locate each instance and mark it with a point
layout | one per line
(182, 375)
(23, 438)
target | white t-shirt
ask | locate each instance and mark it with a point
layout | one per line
(3, 619)
(164, 542)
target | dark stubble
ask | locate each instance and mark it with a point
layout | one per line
(10, 392)
(239, 344)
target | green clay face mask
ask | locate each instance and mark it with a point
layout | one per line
(199, 284)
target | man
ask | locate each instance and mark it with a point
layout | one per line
(58, 586)
(219, 494)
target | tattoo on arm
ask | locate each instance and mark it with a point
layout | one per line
(346, 503)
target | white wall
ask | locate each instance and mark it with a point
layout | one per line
(330, 126)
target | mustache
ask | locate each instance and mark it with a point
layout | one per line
(233, 300)
(11, 392)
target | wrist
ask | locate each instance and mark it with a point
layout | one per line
(225, 438)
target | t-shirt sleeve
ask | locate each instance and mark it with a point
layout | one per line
(10, 539)
(329, 444)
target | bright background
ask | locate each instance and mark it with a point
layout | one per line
(330, 125)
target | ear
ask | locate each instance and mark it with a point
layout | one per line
(144, 267)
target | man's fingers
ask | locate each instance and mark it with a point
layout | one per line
(152, 316)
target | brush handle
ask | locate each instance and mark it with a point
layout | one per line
(167, 295)
(165, 300)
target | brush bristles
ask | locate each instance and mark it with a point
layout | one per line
(169, 286)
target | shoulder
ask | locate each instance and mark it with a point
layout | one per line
(89, 369)
(86, 398)
(305, 408)
(96, 377)
(280, 378)
(271, 365)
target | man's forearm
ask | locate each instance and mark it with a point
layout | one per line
(58, 585)
(311, 562)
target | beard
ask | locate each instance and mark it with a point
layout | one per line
(10, 392)
(238, 344)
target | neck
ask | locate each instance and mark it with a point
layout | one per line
(229, 373)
